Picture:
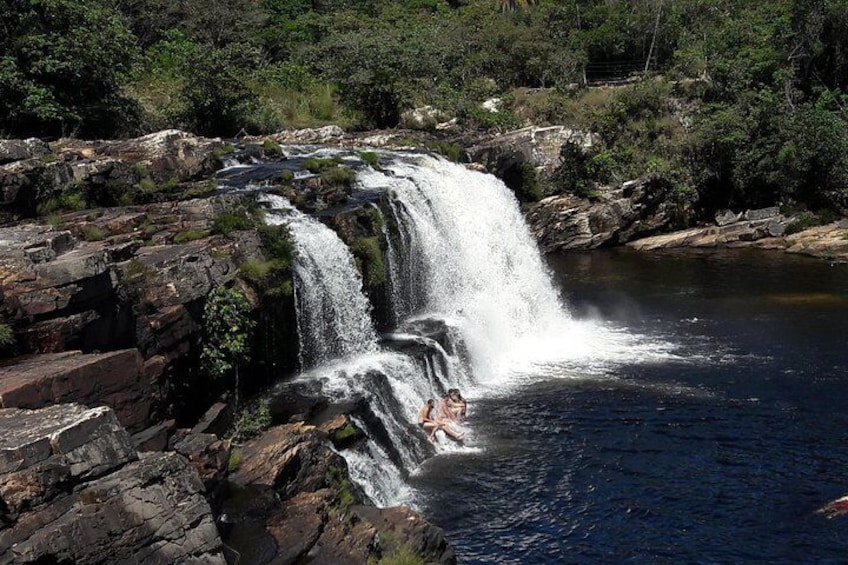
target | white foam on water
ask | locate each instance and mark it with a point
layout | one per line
(461, 253)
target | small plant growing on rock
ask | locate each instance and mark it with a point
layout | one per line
(369, 259)
(251, 421)
(339, 176)
(272, 148)
(7, 338)
(227, 325)
(316, 165)
(190, 235)
(370, 158)
(93, 233)
(227, 223)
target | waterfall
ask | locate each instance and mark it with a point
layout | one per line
(473, 301)
(333, 316)
(470, 259)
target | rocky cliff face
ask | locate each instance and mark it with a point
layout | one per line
(613, 217)
(105, 305)
(73, 489)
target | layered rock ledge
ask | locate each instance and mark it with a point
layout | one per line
(763, 229)
(73, 489)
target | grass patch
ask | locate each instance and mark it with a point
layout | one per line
(340, 176)
(371, 159)
(235, 460)
(93, 233)
(272, 148)
(450, 151)
(227, 223)
(402, 556)
(190, 235)
(315, 165)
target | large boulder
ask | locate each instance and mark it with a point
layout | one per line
(73, 490)
(168, 154)
(115, 379)
(20, 149)
(43, 453)
(537, 146)
(617, 215)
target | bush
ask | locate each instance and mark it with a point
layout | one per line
(7, 337)
(341, 176)
(250, 422)
(227, 223)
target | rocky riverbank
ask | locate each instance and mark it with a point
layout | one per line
(108, 255)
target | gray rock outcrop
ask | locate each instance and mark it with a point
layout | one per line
(617, 215)
(73, 489)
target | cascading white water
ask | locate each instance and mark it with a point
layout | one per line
(334, 317)
(466, 237)
(461, 256)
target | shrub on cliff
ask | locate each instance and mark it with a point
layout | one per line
(227, 328)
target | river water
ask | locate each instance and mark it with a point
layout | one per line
(718, 452)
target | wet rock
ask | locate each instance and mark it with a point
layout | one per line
(342, 431)
(115, 379)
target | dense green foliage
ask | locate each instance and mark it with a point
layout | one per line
(227, 327)
(751, 109)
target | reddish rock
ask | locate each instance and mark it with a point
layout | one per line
(297, 528)
(115, 379)
(290, 459)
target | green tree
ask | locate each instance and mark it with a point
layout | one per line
(62, 67)
(228, 326)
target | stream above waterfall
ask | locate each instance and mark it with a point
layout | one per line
(720, 453)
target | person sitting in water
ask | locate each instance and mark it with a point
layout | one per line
(453, 407)
(427, 423)
(445, 415)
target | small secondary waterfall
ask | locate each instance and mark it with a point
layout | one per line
(334, 317)
(473, 302)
